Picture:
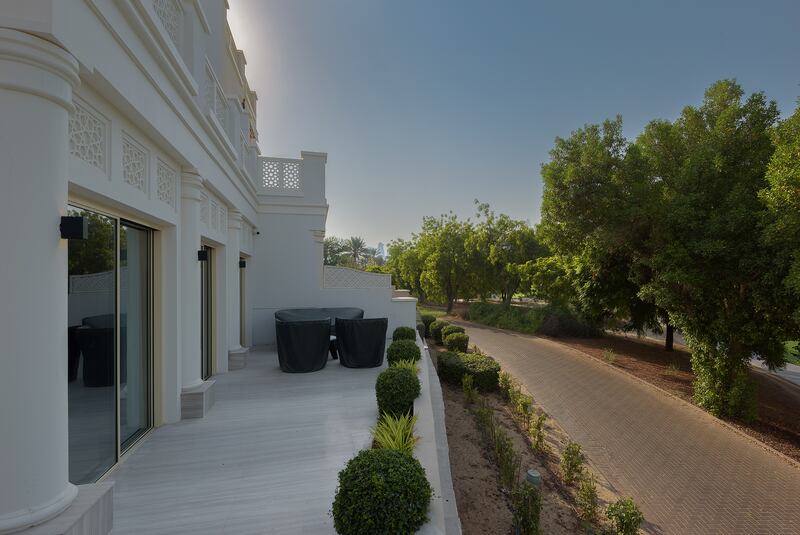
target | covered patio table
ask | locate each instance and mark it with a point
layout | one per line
(304, 335)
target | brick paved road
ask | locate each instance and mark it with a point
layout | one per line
(688, 473)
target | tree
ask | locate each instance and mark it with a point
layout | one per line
(782, 198)
(356, 248)
(332, 250)
(406, 265)
(441, 244)
(499, 247)
(708, 265)
(596, 220)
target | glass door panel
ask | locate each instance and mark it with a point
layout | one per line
(91, 332)
(134, 325)
(206, 312)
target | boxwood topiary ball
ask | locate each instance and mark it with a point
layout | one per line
(456, 342)
(403, 350)
(427, 319)
(396, 389)
(381, 491)
(436, 330)
(451, 329)
(404, 333)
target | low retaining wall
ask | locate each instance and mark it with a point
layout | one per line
(432, 450)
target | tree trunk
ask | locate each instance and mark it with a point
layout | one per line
(670, 339)
(450, 301)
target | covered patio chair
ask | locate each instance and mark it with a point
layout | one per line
(361, 342)
(303, 345)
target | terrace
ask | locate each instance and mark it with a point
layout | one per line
(265, 459)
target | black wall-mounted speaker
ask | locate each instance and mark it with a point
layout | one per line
(242, 263)
(74, 227)
(202, 255)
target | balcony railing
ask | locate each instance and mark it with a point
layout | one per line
(280, 176)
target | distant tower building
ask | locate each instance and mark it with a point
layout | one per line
(380, 250)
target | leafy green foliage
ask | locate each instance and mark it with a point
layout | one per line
(381, 491)
(409, 364)
(427, 319)
(586, 499)
(456, 342)
(436, 330)
(506, 383)
(452, 367)
(625, 516)
(526, 502)
(508, 460)
(396, 389)
(396, 433)
(537, 432)
(571, 463)
(609, 355)
(468, 388)
(404, 333)
(451, 329)
(403, 350)
(548, 321)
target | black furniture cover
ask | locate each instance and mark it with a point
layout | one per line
(97, 348)
(303, 345)
(306, 314)
(361, 342)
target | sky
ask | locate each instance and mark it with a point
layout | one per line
(424, 106)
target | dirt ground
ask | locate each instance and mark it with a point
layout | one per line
(778, 420)
(483, 506)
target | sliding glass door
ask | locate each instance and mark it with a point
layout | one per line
(206, 313)
(109, 342)
(134, 323)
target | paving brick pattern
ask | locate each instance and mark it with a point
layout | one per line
(689, 473)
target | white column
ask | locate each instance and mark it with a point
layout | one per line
(191, 187)
(36, 82)
(233, 248)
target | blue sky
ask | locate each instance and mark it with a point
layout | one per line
(425, 105)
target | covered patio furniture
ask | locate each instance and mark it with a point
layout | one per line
(303, 345)
(97, 347)
(361, 342)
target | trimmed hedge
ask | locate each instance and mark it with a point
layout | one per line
(456, 342)
(403, 350)
(427, 319)
(404, 333)
(435, 330)
(549, 320)
(381, 491)
(396, 389)
(451, 329)
(484, 369)
(421, 329)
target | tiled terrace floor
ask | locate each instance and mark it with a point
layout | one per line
(264, 460)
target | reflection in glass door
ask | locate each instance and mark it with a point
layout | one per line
(206, 312)
(109, 342)
(134, 325)
(91, 333)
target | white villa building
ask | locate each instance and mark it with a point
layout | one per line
(135, 118)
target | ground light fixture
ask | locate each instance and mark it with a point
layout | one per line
(534, 478)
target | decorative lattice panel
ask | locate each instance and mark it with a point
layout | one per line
(87, 137)
(166, 179)
(134, 164)
(280, 174)
(169, 12)
(270, 177)
(341, 277)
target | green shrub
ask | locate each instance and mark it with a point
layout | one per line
(609, 355)
(508, 460)
(557, 322)
(586, 499)
(452, 367)
(550, 321)
(505, 382)
(457, 342)
(625, 516)
(571, 463)
(396, 433)
(381, 491)
(403, 350)
(435, 330)
(404, 333)
(722, 385)
(537, 432)
(447, 330)
(468, 388)
(408, 364)
(396, 389)
(427, 319)
(526, 502)
(421, 329)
